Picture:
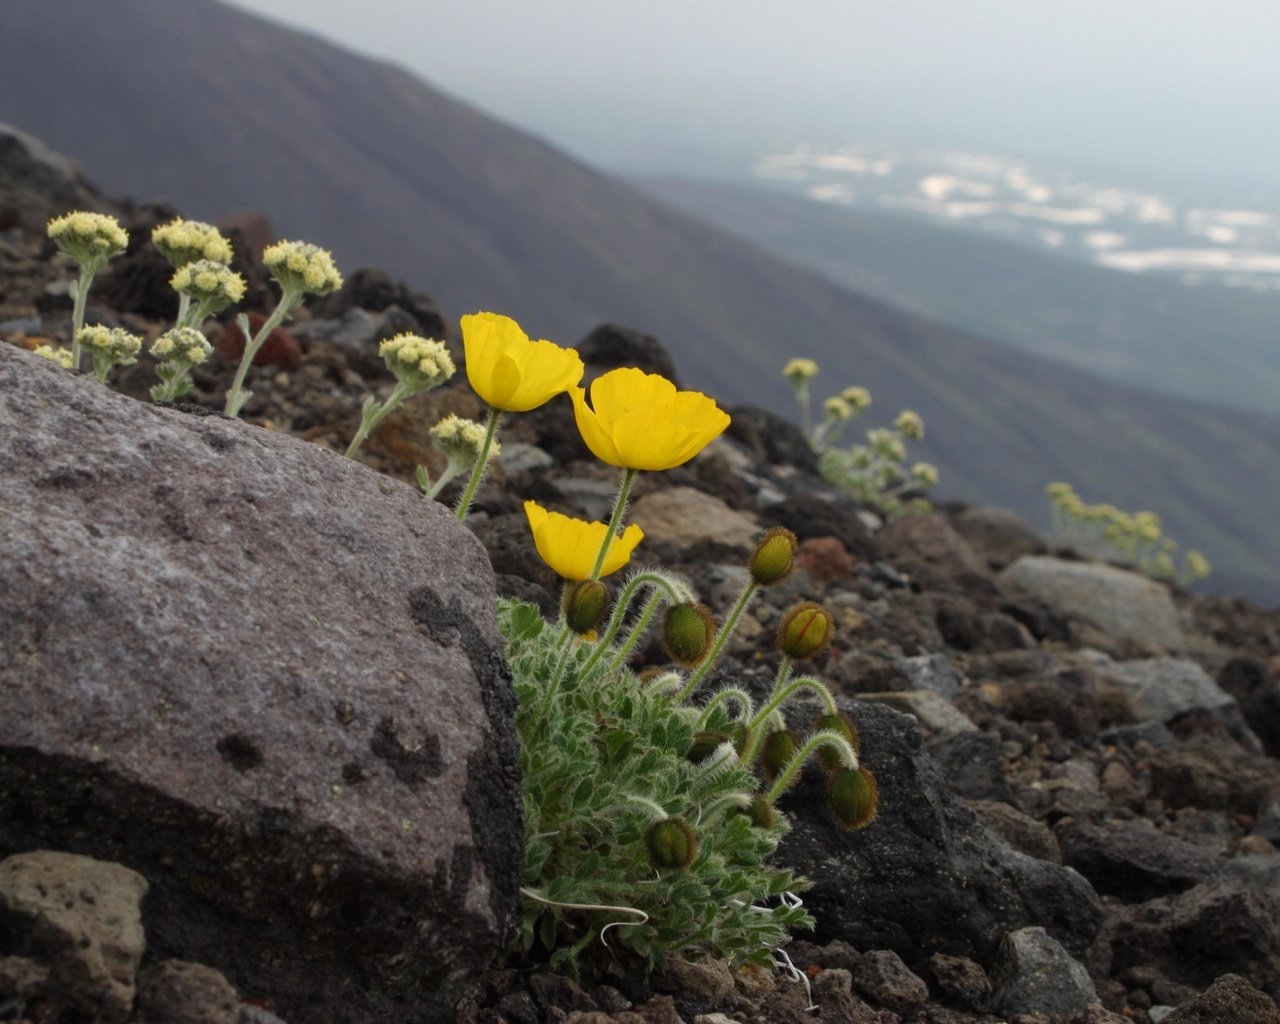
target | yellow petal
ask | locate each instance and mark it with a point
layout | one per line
(592, 430)
(620, 548)
(570, 546)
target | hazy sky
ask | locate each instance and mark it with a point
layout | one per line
(1189, 86)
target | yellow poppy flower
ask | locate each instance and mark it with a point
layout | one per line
(639, 420)
(570, 546)
(511, 372)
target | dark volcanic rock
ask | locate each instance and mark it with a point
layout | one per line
(177, 992)
(266, 678)
(998, 535)
(1257, 691)
(1034, 974)
(774, 439)
(610, 346)
(1134, 861)
(375, 290)
(1229, 1000)
(925, 876)
(809, 514)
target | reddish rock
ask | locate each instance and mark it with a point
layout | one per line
(825, 559)
(280, 349)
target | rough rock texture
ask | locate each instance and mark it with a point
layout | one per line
(1257, 690)
(1229, 1000)
(177, 992)
(927, 544)
(612, 345)
(686, 516)
(81, 920)
(1034, 974)
(1121, 604)
(928, 877)
(997, 534)
(274, 699)
(1134, 860)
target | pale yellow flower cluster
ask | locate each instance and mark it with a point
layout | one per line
(858, 398)
(182, 345)
(185, 241)
(301, 267)
(925, 474)
(910, 425)
(88, 238)
(887, 445)
(837, 409)
(798, 371)
(418, 363)
(461, 438)
(112, 344)
(213, 284)
(61, 356)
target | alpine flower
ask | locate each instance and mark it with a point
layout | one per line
(570, 545)
(509, 371)
(638, 420)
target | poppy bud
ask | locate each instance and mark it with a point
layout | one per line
(805, 630)
(841, 726)
(776, 752)
(585, 602)
(761, 812)
(853, 797)
(687, 632)
(774, 556)
(705, 744)
(671, 844)
(738, 736)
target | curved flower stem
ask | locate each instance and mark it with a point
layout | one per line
(375, 414)
(619, 507)
(728, 693)
(717, 809)
(636, 631)
(784, 669)
(477, 473)
(237, 396)
(730, 623)
(826, 738)
(564, 646)
(452, 470)
(628, 593)
(776, 701)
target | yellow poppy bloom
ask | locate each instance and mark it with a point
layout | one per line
(570, 546)
(639, 420)
(511, 372)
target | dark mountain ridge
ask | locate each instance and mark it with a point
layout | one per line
(220, 111)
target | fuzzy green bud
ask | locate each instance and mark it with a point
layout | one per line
(853, 797)
(302, 268)
(761, 812)
(776, 752)
(671, 844)
(706, 743)
(839, 724)
(585, 602)
(774, 556)
(688, 631)
(185, 241)
(88, 238)
(805, 631)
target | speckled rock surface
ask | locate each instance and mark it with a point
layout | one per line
(274, 697)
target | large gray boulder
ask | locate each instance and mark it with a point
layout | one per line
(1123, 605)
(267, 679)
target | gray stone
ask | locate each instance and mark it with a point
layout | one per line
(1122, 604)
(926, 876)
(267, 678)
(516, 456)
(1162, 689)
(685, 516)
(997, 534)
(931, 711)
(44, 183)
(178, 992)
(1034, 974)
(973, 764)
(1021, 831)
(883, 977)
(82, 919)
(931, 672)
(358, 333)
(1134, 861)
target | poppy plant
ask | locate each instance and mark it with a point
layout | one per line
(570, 545)
(639, 421)
(509, 371)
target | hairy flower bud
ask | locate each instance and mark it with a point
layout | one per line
(853, 797)
(585, 602)
(672, 844)
(761, 812)
(776, 752)
(805, 631)
(774, 556)
(687, 632)
(841, 726)
(706, 743)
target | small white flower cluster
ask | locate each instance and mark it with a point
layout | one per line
(185, 241)
(212, 284)
(302, 268)
(61, 356)
(88, 238)
(798, 371)
(417, 362)
(113, 343)
(182, 345)
(462, 439)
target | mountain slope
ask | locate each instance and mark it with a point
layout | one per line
(1210, 343)
(220, 111)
